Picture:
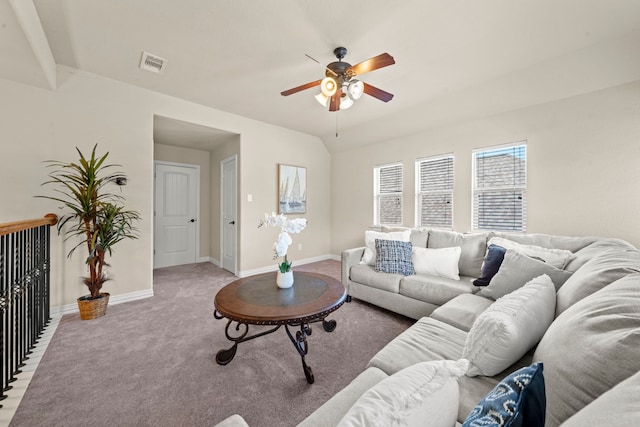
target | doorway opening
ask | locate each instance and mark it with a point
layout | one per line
(183, 144)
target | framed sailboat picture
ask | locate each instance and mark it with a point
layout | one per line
(292, 189)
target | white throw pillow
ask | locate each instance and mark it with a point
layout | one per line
(422, 394)
(437, 262)
(511, 326)
(556, 257)
(370, 236)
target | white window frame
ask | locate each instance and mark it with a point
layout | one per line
(518, 188)
(377, 193)
(445, 222)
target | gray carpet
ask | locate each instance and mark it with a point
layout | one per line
(151, 362)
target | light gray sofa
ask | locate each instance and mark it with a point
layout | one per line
(590, 351)
(419, 295)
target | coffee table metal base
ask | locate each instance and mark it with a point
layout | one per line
(299, 341)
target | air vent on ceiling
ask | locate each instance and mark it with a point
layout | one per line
(152, 63)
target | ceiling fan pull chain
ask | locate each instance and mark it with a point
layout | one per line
(336, 124)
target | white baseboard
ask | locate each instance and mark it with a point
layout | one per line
(211, 260)
(254, 271)
(61, 310)
(335, 257)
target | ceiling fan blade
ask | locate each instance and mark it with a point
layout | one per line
(301, 88)
(334, 103)
(382, 60)
(377, 93)
(327, 69)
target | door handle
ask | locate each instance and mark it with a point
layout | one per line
(232, 223)
(192, 220)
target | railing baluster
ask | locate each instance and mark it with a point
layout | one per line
(24, 292)
(3, 312)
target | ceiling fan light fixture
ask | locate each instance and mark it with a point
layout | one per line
(355, 89)
(345, 102)
(322, 99)
(328, 86)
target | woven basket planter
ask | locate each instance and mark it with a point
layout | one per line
(93, 308)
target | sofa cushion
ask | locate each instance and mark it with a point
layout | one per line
(234, 420)
(491, 264)
(516, 270)
(462, 310)
(556, 257)
(603, 269)
(518, 400)
(474, 246)
(370, 236)
(591, 347)
(367, 275)
(424, 391)
(394, 256)
(617, 407)
(427, 339)
(594, 249)
(418, 236)
(511, 326)
(330, 413)
(433, 289)
(441, 262)
(568, 243)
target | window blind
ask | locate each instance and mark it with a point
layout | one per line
(388, 194)
(434, 201)
(500, 181)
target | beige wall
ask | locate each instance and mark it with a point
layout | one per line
(39, 124)
(260, 179)
(583, 167)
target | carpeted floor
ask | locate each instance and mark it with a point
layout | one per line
(152, 362)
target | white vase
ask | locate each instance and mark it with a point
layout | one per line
(284, 280)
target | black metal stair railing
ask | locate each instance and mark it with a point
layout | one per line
(24, 292)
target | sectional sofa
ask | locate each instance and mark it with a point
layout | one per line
(548, 323)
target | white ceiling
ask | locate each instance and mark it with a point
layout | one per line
(455, 59)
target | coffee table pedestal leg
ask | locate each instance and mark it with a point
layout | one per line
(225, 356)
(241, 334)
(300, 343)
(329, 325)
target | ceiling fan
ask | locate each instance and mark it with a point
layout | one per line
(340, 87)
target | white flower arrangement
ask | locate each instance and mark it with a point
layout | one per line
(287, 225)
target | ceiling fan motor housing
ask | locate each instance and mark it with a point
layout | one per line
(339, 67)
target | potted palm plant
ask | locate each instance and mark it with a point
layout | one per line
(95, 216)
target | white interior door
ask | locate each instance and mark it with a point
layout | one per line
(176, 214)
(229, 213)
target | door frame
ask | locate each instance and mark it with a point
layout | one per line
(233, 157)
(183, 165)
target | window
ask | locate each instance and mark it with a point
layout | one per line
(434, 192)
(387, 190)
(499, 189)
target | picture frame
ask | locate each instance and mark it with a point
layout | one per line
(292, 189)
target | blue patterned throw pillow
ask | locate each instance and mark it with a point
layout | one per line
(518, 400)
(394, 256)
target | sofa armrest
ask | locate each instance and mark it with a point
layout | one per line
(350, 257)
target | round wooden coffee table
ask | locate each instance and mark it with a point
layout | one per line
(257, 300)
